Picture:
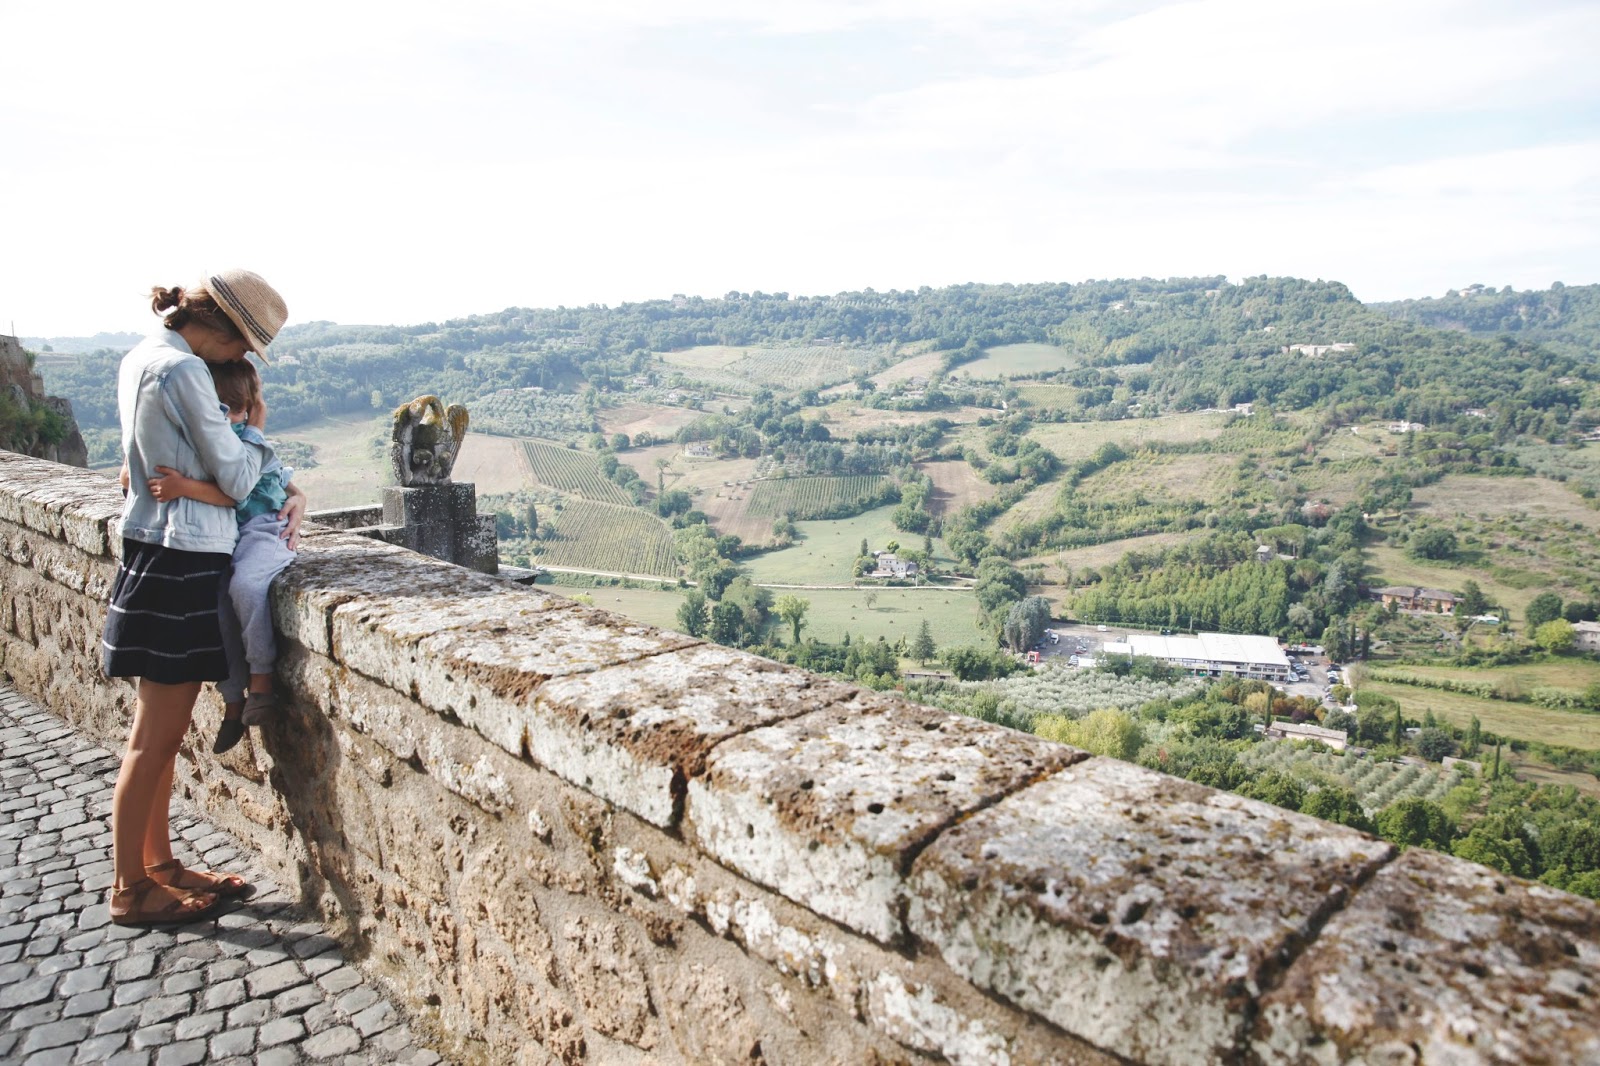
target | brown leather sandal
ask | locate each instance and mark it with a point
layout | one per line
(178, 910)
(225, 886)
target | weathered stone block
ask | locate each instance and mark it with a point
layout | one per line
(828, 808)
(479, 655)
(1440, 960)
(627, 732)
(1136, 910)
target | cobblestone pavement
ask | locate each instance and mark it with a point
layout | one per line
(258, 983)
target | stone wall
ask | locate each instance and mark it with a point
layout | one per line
(563, 836)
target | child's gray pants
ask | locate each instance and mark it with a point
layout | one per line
(260, 556)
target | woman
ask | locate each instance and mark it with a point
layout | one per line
(162, 625)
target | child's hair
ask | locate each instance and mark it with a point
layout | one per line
(238, 384)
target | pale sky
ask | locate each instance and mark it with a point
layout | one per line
(405, 162)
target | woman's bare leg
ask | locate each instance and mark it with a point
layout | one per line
(144, 785)
(158, 831)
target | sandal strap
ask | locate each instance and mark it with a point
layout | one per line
(175, 909)
(218, 882)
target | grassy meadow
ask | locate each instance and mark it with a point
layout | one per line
(826, 551)
(951, 613)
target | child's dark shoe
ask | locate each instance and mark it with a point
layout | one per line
(258, 707)
(230, 733)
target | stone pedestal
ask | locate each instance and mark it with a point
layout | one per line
(437, 520)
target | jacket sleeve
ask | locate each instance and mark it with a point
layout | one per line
(191, 402)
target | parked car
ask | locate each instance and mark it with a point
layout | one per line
(1100, 629)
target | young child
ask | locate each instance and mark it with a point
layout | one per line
(261, 555)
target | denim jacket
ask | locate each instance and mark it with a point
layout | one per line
(170, 417)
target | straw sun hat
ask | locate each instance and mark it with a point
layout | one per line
(253, 305)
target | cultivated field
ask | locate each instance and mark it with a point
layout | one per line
(660, 420)
(1047, 395)
(1375, 784)
(572, 471)
(492, 464)
(1039, 502)
(1100, 555)
(918, 366)
(845, 418)
(1491, 497)
(1164, 476)
(776, 367)
(955, 485)
(1572, 672)
(1523, 720)
(1078, 440)
(811, 497)
(602, 536)
(1017, 360)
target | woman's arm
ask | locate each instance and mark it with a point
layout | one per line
(172, 485)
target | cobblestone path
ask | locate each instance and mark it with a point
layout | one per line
(257, 984)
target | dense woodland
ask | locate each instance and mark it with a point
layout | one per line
(1182, 343)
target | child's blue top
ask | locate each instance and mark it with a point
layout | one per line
(272, 489)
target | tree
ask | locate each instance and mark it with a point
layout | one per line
(1106, 732)
(1557, 635)
(1025, 623)
(1501, 841)
(1435, 743)
(792, 609)
(1472, 602)
(692, 613)
(1435, 542)
(530, 519)
(1334, 804)
(727, 624)
(871, 598)
(924, 649)
(1397, 729)
(1300, 618)
(1413, 822)
(998, 584)
(1474, 739)
(1545, 607)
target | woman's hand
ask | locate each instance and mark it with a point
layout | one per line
(294, 511)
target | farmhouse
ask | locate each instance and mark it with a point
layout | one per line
(1586, 636)
(891, 565)
(1336, 739)
(698, 449)
(1217, 654)
(1415, 598)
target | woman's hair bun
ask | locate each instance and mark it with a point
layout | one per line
(165, 299)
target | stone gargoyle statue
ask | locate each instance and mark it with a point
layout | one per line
(427, 435)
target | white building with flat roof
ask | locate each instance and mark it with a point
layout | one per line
(1217, 654)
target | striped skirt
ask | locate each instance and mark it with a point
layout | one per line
(162, 624)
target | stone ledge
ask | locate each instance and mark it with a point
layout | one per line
(66, 502)
(829, 809)
(1439, 960)
(634, 734)
(1139, 911)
